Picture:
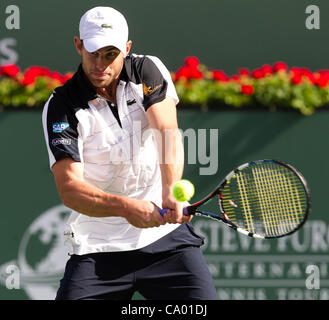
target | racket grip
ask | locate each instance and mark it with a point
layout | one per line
(185, 212)
(163, 211)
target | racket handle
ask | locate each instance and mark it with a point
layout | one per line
(163, 211)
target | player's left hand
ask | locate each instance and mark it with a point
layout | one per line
(175, 212)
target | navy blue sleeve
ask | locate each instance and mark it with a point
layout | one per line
(152, 75)
(154, 83)
(60, 130)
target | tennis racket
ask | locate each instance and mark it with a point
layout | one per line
(261, 199)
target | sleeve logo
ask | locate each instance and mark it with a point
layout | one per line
(59, 127)
(148, 90)
(56, 142)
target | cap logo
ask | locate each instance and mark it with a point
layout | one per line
(104, 25)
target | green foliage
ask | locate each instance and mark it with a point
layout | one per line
(13, 94)
(277, 91)
(206, 92)
(268, 87)
(271, 92)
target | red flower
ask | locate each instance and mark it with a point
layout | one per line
(322, 78)
(188, 73)
(10, 70)
(323, 72)
(297, 75)
(235, 78)
(189, 70)
(305, 71)
(322, 82)
(67, 76)
(219, 75)
(244, 72)
(258, 73)
(278, 66)
(296, 78)
(247, 89)
(195, 74)
(56, 76)
(310, 76)
(192, 62)
(267, 69)
(295, 71)
(182, 73)
(32, 73)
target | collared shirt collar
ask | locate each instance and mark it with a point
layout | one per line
(86, 91)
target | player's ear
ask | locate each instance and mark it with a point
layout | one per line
(128, 47)
(78, 45)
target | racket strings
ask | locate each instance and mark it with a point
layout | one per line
(254, 198)
(265, 199)
(274, 199)
(248, 218)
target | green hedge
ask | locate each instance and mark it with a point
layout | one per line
(270, 86)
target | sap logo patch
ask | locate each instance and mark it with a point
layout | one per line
(60, 126)
(63, 141)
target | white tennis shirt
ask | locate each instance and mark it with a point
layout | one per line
(118, 152)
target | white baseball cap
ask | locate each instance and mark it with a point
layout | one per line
(103, 26)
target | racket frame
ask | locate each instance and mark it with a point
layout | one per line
(193, 208)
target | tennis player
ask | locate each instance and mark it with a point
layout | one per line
(104, 131)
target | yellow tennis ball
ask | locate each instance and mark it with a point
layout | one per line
(183, 190)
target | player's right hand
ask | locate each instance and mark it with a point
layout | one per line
(143, 214)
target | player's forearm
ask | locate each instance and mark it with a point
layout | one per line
(92, 201)
(172, 158)
(163, 119)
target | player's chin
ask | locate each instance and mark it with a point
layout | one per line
(101, 82)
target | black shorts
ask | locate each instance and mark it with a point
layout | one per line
(177, 274)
